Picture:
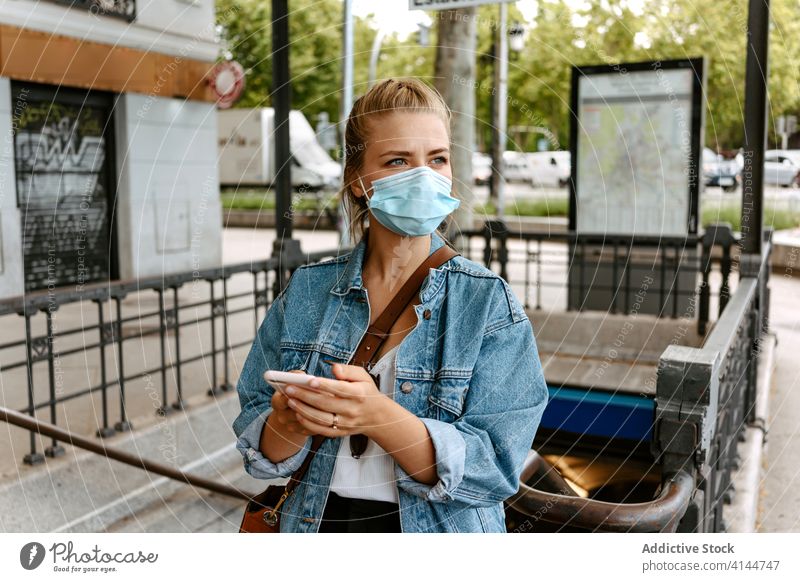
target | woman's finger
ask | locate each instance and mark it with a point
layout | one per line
(349, 372)
(319, 416)
(319, 400)
(341, 388)
(322, 429)
(279, 401)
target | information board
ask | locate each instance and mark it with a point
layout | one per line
(636, 140)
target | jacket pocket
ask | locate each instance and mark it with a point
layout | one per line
(295, 356)
(446, 398)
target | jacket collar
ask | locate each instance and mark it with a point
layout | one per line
(351, 274)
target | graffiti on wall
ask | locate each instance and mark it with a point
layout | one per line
(61, 173)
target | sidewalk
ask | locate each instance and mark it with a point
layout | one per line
(780, 494)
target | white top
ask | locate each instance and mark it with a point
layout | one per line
(372, 475)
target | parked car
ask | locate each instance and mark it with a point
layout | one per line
(721, 172)
(550, 168)
(481, 168)
(782, 167)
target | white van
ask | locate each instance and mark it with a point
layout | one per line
(516, 167)
(550, 168)
(247, 151)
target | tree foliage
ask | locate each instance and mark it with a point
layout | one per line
(562, 34)
(315, 53)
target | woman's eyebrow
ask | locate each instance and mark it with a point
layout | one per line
(404, 153)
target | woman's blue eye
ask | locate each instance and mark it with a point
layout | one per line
(437, 160)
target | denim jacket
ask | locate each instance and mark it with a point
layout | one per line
(469, 370)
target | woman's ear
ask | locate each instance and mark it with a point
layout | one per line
(356, 189)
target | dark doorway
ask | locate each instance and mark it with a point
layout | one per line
(63, 152)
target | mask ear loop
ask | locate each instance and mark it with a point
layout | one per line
(362, 188)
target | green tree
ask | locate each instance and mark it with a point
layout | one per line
(315, 54)
(610, 32)
(562, 34)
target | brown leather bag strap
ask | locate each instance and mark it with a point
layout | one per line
(377, 333)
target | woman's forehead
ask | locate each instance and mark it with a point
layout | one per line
(400, 130)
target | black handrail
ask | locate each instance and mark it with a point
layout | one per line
(51, 430)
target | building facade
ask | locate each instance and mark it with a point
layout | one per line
(108, 158)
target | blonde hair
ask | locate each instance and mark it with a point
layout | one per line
(386, 96)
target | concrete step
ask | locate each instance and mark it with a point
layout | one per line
(86, 492)
(189, 510)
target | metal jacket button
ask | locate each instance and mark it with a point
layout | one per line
(426, 314)
(406, 387)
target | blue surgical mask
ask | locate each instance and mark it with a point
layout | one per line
(413, 202)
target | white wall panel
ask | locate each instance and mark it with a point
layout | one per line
(11, 283)
(169, 218)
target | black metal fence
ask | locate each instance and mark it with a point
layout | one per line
(706, 396)
(106, 327)
(151, 341)
(689, 276)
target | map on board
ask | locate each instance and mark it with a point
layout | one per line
(633, 152)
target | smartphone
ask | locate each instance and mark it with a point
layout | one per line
(279, 380)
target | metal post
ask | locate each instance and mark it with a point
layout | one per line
(284, 245)
(163, 410)
(500, 111)
(281, 100)
(373, 57)
(755, 125)
(124, 425)
(179, 404)
(347, 104)
(54, 450)
(105, 430)
(32, 458)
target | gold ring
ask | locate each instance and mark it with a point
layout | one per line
(335, 421)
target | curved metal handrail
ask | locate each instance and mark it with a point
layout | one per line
(538, 471)
(659, 515)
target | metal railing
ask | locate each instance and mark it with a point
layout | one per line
(138, 332)
(168, 312)
(560, 270)
(706, 396)
(132, 331)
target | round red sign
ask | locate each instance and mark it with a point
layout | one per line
(227, 82)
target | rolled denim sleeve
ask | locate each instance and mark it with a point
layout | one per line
(255, 396)
(480, 455)
(450, 449)
(255, 463)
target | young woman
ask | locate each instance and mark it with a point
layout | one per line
(453, 402)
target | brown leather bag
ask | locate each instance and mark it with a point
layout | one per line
(262, 514)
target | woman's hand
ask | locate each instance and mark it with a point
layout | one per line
(285, 417)
(353, 396)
